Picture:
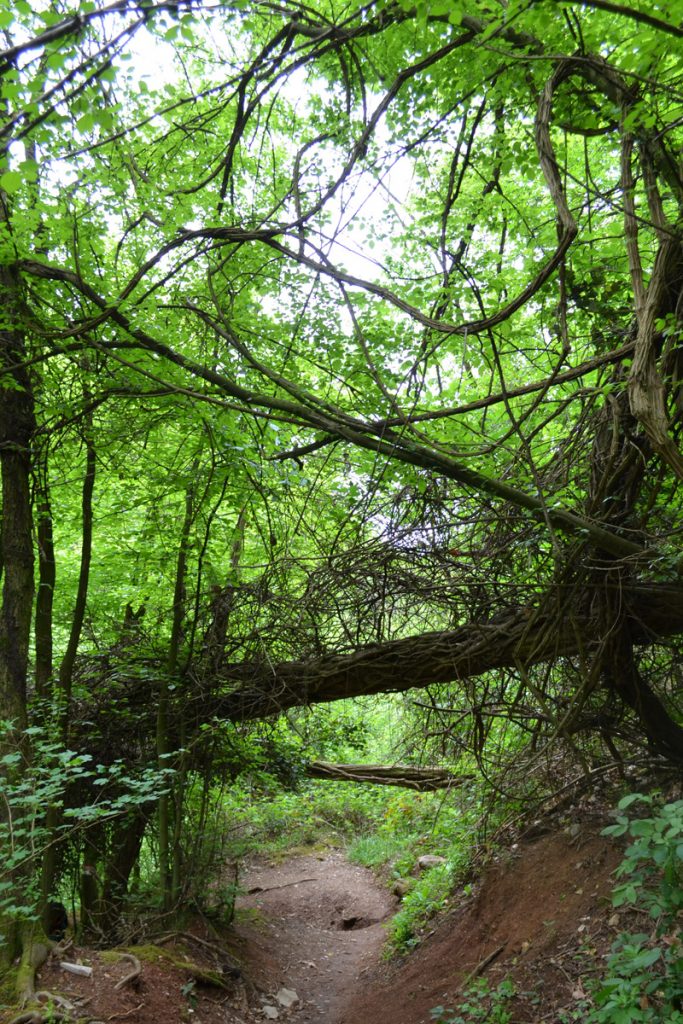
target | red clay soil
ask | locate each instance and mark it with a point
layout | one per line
(313, 925)
(534, 909)
(163, 994)
(541, 915)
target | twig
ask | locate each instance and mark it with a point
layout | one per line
(481, 966)
(270, 888)
(120, 1016)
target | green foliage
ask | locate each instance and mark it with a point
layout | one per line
(274, 821)
(643, 979)
(653, 862)
(379, 848)
(428, 895)
(44, 776)
(480, 1003)
(246, 248)
(413, 824)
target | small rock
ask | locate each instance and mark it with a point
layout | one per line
(429, 860)
(400, 887)
(270, 1012)
(287, 998)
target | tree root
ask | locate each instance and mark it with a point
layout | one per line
(223, 978)
(34, 955)
(52, 1007)
(59, 1001)
(133, 975)
(231, 969)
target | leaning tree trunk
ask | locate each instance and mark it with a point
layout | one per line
(167, 856)
(66, 668)
(124, 849)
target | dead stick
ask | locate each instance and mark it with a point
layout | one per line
(258, 888)
(120, 1016)
(481, 967)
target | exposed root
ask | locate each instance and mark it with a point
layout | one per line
(285, 885)
(52, 1007)
(34, 955)
(132, 976)
(122, 1016)
(481, 967)
(36, 1016)
(226, 964)
(59, 1001)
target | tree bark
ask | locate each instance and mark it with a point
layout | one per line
(124, 850)
(66, 668)
(407, 776)
(521, 639)
(163, 740)
(46, 586)
(17, 427)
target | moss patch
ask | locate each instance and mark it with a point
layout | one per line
(176, 958)
(8, 987)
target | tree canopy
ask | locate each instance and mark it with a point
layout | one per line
(340, 354)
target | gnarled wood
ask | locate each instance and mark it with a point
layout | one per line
(405, 775)
(520, 639)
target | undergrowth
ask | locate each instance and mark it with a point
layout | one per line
(642, 978)
(327, 813)
(381, 829)
(412, 825)
(480, 1003)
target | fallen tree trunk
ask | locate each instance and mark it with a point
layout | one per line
(520, 639)
(424, 780)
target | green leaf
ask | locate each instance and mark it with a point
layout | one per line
(86, 122)
(29, 169)
(11, 181)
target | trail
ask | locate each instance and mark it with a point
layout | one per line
(312, 924)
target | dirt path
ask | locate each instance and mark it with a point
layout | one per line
(314, 923)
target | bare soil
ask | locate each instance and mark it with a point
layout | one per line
(540, 916)
(313, 925)
(316, 928)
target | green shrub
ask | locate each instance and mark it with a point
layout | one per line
(643, 981)
(479, 1003)
(426, 898)
(372, 851)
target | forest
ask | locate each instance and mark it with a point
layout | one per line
(341, 402)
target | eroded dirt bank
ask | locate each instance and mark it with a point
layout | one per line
(313, 925)
(540, 916)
